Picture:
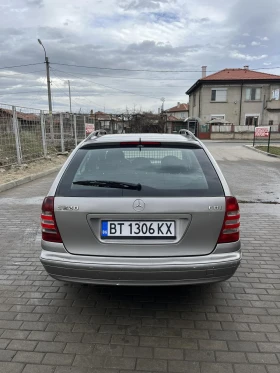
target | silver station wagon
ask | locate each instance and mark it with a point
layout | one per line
(140, 209)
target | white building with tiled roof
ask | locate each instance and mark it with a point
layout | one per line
(239, 96)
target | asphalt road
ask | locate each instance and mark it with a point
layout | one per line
(49, 326)
(252, 176)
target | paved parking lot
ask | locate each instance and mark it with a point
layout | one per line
(50, 326)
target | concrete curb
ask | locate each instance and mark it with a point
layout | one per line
(27, 179)
(261, 152)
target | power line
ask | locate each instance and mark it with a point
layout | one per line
(73, 99)
(122, 69)
(142, 86)
(18, 93)
(91, 102)
(15, 77)
(116, 89)
(29, 64)
(148, 70)
(125, 77)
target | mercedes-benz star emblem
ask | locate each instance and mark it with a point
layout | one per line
(138, 205)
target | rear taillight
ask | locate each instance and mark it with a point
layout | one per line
(50, 231)
(230, 229)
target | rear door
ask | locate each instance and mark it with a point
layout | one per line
(178, 211)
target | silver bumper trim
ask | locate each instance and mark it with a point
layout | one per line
(140, 271)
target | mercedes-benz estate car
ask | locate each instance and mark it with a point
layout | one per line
(140, 209)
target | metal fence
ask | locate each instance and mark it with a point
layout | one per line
(28, 134)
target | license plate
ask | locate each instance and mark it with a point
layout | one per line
(140, 229)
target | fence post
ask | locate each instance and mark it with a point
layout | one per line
(254, 139)
(17, 137)
(61, 133)
(85, 130)
(75, 130)
(269, 137)
(43, 132)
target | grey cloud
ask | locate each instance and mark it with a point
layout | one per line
(209, 44)
(37, 3)
(151, 48)
(11, 31)
(200, 20)
(142, 4)
(51, 33)
(261, 19)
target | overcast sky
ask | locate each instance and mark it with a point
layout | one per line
(130, 35)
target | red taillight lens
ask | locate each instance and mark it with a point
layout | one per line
(50, 231)
(230, 229)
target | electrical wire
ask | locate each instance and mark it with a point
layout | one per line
(14, 77)
(91, 102)
(123, 69)
(29, 64)
(116, 89)
(18, 93)
(72, 98)
(148, 70)
(124, 77)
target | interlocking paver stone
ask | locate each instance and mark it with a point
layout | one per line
(48, 326)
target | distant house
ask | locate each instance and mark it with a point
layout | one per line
(101, 120)
(176, 117)
(25, 120)
(239, 96)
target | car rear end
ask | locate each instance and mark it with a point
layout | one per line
(140, 210)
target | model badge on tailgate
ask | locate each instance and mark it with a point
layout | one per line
(68, 208)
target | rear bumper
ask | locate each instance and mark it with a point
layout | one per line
(141, 271)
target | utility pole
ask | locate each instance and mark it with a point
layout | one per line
(70, 97)
(70, 104)
(49, 90)
(162, 106)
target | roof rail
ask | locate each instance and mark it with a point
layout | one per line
(185, 132)
(97, 133)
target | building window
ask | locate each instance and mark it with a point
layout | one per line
(218, 116)
(219, 94)
(270, 122)
(183, 115)
(194, 99)
(253, 94)
(252, 120)
(275, 94)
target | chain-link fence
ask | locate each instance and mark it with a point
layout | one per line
(21, 135)
(28, 134)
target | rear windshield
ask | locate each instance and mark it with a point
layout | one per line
(162, 171)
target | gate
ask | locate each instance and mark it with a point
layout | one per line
(204, 132)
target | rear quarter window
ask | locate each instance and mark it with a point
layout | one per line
(162, 171)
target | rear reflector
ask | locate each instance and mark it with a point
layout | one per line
(230, 229)
(50, 231)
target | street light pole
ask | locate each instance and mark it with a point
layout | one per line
(49, 90)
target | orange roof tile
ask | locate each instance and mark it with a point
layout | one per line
(171, 118)
(234, 75)
(240, 74)
(179, 107)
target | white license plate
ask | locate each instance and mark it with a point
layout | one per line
(141, 229)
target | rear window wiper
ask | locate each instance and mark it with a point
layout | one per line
(108, 184)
